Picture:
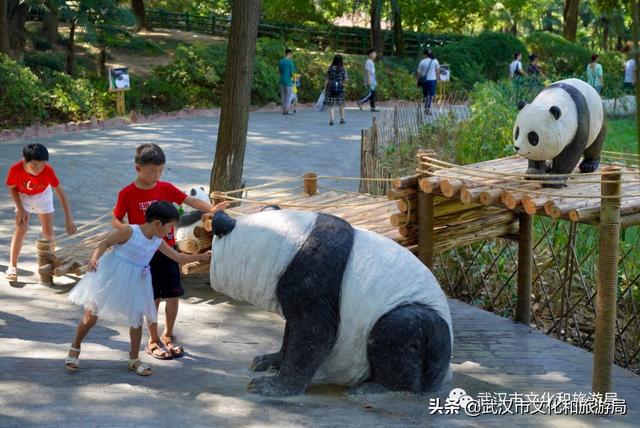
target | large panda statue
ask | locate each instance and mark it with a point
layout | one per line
(562, 124)
(360, 310)
(193, 218)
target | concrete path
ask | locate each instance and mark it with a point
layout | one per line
(206, 387)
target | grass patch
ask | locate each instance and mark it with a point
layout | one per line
(622, 136)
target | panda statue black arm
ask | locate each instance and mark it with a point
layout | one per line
(564, 123)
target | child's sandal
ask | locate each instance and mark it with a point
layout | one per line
(72, 363)
(142, 369)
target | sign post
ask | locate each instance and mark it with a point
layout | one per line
(445, 77)
(118, 83)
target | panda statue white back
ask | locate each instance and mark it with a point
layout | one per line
(563, 123)
(358, 307)
(193, 218)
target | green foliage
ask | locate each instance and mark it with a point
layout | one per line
(72, 99)
(487, 134)
(43, 63)
(134, 43)
(22, 96)
(557, 55)
(154, 94)
(476, 59)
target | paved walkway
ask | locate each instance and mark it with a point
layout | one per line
(206, 387)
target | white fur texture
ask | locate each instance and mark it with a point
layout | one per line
(554, 135)
(380, 275)
(247, 263)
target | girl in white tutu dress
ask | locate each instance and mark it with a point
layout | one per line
(118, 285)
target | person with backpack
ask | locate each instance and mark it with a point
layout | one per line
(334, 88)
(428, 75)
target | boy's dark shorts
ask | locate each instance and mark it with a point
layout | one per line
(165, 277)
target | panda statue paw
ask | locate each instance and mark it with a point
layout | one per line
(263, 363)
(273, 386)
(589, 165)
(554, 183)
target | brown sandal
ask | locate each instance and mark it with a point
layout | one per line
(170, 343)
(164, 354)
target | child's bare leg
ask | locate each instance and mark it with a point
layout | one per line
(17, 241)
(85, 325)
(341, 113)
(136, 337)
(46, 220)
(330, 114)
(171, 312)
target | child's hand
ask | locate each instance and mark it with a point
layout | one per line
(22, 216)
(93, 264)
(204, 256)
(221, 206)
(70, 226)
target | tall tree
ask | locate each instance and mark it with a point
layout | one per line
(570, 14)
(236, 96)
(141, 14)
(4, 29)
(398, 35)
(17, 11)
(376, 27)
(50, 21)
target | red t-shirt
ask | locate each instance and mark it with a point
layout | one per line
(133, 202)
(31, 184)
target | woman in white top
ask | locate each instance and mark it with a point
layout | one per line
(428, 75)
(630, 74)
(515, 68)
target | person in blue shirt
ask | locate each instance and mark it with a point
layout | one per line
(286, 67)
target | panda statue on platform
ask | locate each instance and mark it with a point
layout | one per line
(191, 219)
(562, 124)
(359, 309)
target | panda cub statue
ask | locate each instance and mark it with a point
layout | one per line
(359, 309)
(564, 123)
(191, 219)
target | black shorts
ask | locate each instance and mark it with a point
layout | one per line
(165, 276)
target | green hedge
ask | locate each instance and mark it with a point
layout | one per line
(22, 96)
(558, 56)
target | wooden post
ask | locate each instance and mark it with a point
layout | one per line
(310, 183)
(607, 285)
(45, 249)
(525, 259)
(120, 108)
(425, 228)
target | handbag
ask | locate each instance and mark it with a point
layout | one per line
(320, 103)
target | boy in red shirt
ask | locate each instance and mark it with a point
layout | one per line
(133, 201)
(30, 182)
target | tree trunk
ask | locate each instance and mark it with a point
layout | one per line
(102, 61)
(398, 35)
(50, 22)
(17, 11)
(4, 27)
(141, 14)
(71, 60)
(605, 36)
(570, 14)
(236, 96)
(376, 28)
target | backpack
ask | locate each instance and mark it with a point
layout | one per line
(336, 87)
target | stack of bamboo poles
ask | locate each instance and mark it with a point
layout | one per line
(202, 238)
(499, 183)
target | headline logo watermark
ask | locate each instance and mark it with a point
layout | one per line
(502, 403)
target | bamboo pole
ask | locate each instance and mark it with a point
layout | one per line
(525, 258)
(425, 228)
(490, 197)
(195, 267)
(310, 183)
(450, 187)
(404, 182)
(430, 184)
(607, 286)
(394, 194)
(532, 205)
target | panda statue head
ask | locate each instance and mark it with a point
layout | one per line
(540, 131)
(199, 193)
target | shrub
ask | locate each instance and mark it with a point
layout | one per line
(557, 55)
(22, 96)
(72, 99)
(487, 134)
(43, 63)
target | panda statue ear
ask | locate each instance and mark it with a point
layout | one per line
(556, 112)
(222, 224)
(521, 104)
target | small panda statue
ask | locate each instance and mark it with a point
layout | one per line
(191, 219)
(360, 310)
(563, 123)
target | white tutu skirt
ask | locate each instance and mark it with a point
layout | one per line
(118, 290)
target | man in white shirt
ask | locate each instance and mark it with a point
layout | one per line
(629, 74)
(515, 68)
(369, 81)
(428, 74)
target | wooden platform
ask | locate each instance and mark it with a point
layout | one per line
(502, 183)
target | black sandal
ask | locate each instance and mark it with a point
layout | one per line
(176, 350)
